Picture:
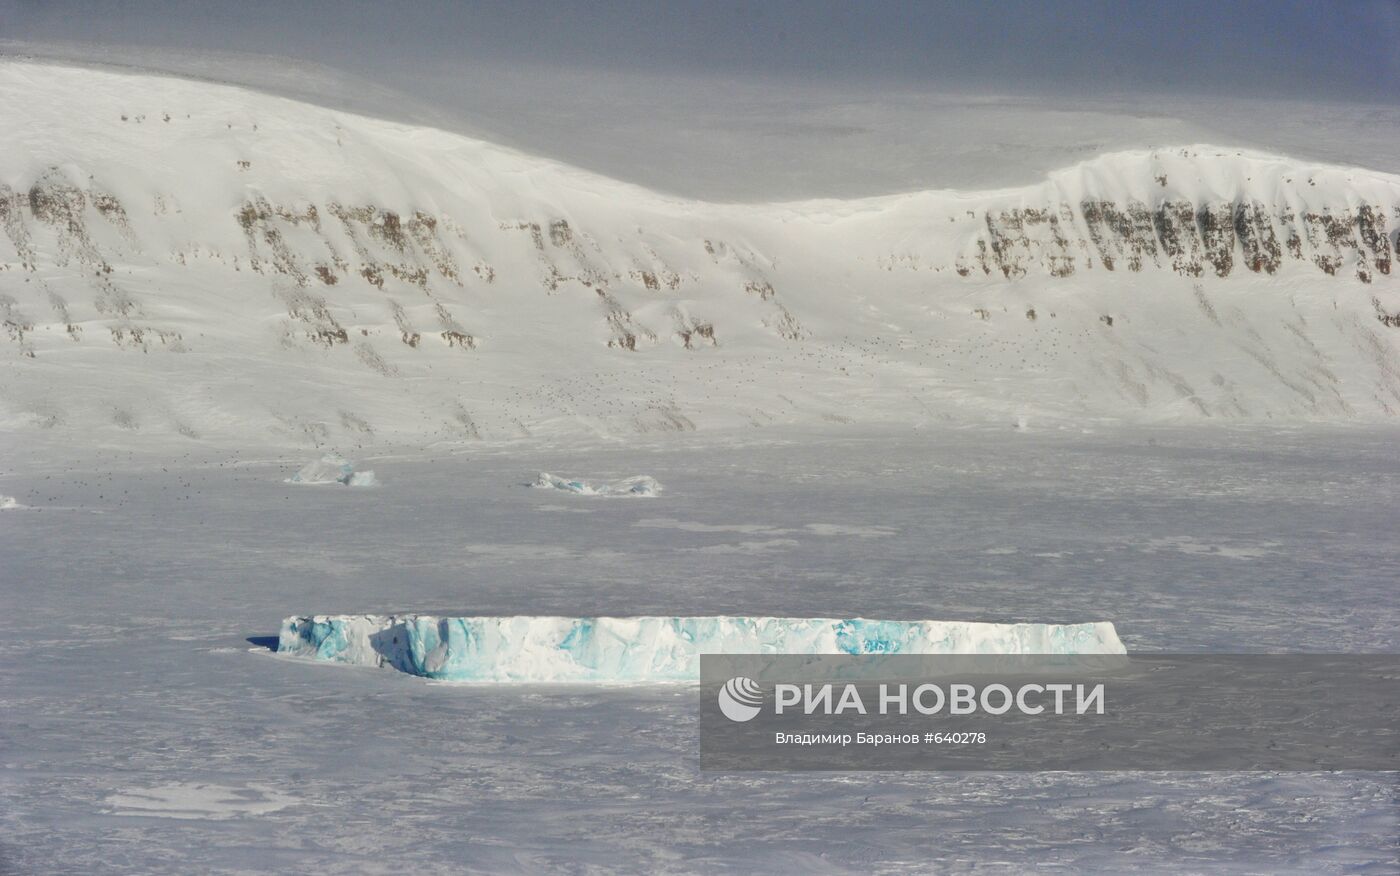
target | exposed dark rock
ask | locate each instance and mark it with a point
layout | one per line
(1218, 234)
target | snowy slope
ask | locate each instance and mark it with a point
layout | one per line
(180, 258)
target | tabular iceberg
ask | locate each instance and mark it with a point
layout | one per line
(638, 649)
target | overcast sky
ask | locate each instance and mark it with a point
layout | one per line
(1341, 49)
(819, 97)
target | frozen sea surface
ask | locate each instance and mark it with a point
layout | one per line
(141, 731)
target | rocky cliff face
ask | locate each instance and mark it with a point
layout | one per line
(1188, 238)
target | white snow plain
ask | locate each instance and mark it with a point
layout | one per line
(143, 732)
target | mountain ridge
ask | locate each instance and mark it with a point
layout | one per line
(369, 281)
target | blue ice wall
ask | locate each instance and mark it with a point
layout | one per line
(638, 649)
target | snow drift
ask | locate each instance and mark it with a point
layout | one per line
(637, 649)
(208, 263)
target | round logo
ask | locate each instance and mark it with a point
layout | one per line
(740, 699)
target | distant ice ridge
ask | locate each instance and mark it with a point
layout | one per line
(637, 486)
(333, 469)
(647, 649)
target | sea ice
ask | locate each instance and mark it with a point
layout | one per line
(333, 469)
(647, 649)
(637, 486)
(198, 800)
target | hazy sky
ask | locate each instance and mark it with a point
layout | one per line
(1337, 49)
(793, 98)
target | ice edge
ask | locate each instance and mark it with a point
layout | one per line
(641, 649)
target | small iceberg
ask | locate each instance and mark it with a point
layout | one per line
(10, 503)
(646, 649)
(637, 486)
(333, 469)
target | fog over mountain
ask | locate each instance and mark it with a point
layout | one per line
(774, 101)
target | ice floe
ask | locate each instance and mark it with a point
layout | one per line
(333, 469)
(198, 800)
(636, 486)
(643, 649)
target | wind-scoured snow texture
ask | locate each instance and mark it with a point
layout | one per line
(332, 469)
(642, 485)
(207, 263)
(641, 649)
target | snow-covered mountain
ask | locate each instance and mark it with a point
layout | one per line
(185, 258)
